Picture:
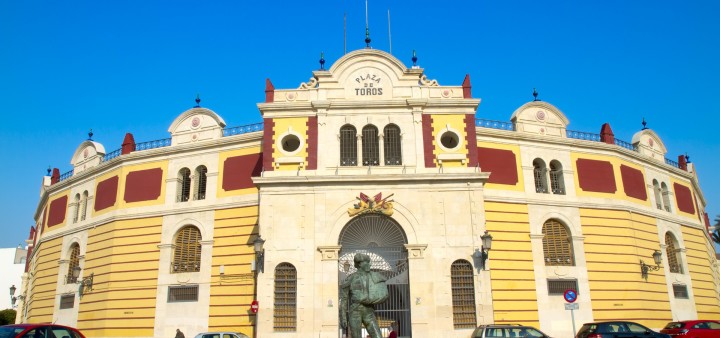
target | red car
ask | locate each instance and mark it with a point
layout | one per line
(693, 329)
(39, 331)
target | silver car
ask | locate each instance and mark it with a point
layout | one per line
(221, 335)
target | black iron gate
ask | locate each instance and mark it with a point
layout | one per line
(383, 240)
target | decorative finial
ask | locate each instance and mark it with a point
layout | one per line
(535, 94)
(322, 61)
(49, 169)
(414, 59)
(197, 101)
(367, 37)
(90, 134)
(687, 158)
(644, 124)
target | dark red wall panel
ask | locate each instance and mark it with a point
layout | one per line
(106, 193)
(312, 142)
(239, 170)
(684, 198)
(633, 182)
(143, 185)
(427, 131)
(501, 164)
(58, 208)
(596, 176)
(471, 139)
(268, 137)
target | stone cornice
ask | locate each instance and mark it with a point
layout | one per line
(261, 182)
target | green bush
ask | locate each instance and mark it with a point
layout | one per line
(7, 317)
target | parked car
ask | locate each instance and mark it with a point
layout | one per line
(221, 335)
(617, 329)
(693, 329)
(507, 331)
(39, 331)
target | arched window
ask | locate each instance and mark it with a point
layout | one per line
(463, 294)
(186, 257)
(183, 185)
(557, 183)
(539, 173)
(200, 182)
(370, 146)
(83, 205)
(391, 145)
(285, 307)
(658, 197)
(74, 263)
(557, 244)
(665, 196)
(348, 146)
(76, 216)
(673, 254)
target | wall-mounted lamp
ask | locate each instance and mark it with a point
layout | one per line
(644, 268)
(12, 295)
(483, 254)
(259, 254)
(86, 283)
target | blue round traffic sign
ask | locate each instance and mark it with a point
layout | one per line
(570, 295)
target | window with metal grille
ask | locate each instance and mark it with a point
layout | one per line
(348, 146)
(67, 301)
(391, 145)
(186, 257)
(185, 293)
(463, 294)
(658, 197)
(183, 185)
(77, 208)
(672, 253)
(559, 286)
(680, 291)
(557, 184)
(539, 173)
(557, 244)
(665, 196)
(74, 263)
(370, 146)
(201, 182)
(83, 205)
(285, 307)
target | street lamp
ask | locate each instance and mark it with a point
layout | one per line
(484, 251)
(12, 295)
(259, 254)
(86, 282)
(644, 268)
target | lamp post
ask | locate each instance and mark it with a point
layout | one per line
(12, 296)
(259, 254)
(86, 282)
(645, 269)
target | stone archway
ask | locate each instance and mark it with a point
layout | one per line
(383, 239)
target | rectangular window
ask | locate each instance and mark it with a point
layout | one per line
(680, 291)
(178, 294)
(67, 301)
(559, 286)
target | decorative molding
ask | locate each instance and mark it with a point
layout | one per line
(329, 253)
(416, 250)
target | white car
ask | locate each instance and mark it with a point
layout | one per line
(221, 335)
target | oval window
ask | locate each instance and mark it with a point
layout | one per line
(290, 143)
(449, 140)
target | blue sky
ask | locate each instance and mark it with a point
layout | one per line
(133, 66)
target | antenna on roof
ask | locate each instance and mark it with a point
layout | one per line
(389, 34)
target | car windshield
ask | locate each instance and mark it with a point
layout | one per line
(674, 325)
(10, 331)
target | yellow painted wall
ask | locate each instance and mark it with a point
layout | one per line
(122, 180)
(511, 264)
(619, 187)
(68, 210)
(457, 124)
(700, 257)
(41, 304)
(520, 185)
(232, 294)
(615, 242)
(673, 200)
(298, 126)
(124, 257)
(221, 165)
(120, 191)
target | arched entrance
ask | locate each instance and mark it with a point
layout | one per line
(381, 238)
